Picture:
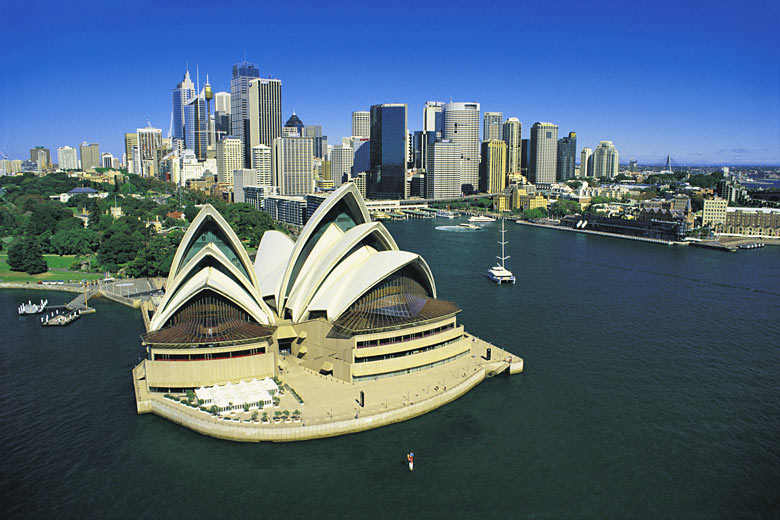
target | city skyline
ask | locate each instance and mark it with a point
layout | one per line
(699, 85)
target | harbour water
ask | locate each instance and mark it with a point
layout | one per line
(650, 391)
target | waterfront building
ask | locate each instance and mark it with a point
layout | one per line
(387, 177)
(181, 95)
(149, 142)
(523, 199)
(567, 156)
(90, 155)
(265, 111)
(262, 164)
(290, 210)
(512, 135)
(341, 161)
(230, 157)
(361, 124)
(460, 124)
(67, 158)
(543, 153)
(752, 222)
(243, 74)
(492, 178)
(443, 176)
(586, 163)
(714, 212)
(492, 126)
(292, 165)
(605, 160)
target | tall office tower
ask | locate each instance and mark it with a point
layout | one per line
(90, 155)
(181, 95)
(525, 156)
(387, 178)
(131, 140)
(605, 160)
(492, 175)
(632, 167)
(361, 123)
(544, 153)
(265, 111)
(341, 160)
(261, 163)
(41, 156)
(222, 127)
(293, 165)
(149, 141)
(586, 162)
(460, 124)
(67, 158)
(361, 148)
(491, 126)
(243, 74)
(230, 156)
(315, 132)
(567, 156)
(432, 128)
(442, 178)
(294, 122)
(512, 134)
(196, 126)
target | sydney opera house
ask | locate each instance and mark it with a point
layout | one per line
(342, 301)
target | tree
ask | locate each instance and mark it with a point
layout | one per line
(25, 255)
(45, 216)
(565, 207)
(75, 242)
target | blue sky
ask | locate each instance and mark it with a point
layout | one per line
(697, 80)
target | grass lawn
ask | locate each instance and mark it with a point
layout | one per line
(53, 261)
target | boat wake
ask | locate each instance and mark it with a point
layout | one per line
(459, 229)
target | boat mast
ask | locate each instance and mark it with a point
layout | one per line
(503, 242)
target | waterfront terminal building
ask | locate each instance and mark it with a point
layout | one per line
(342, 301)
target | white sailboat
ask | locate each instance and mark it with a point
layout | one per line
(499, 273)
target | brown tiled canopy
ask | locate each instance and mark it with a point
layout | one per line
(412, 310)
(191, 333)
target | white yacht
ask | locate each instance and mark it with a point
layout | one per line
(481, 218)
(446, 214)
(499, 273)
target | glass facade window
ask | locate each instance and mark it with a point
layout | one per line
(387, 179)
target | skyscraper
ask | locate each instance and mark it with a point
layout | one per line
(243, 73)
(586, 162)
(442, 178)
(567, 156)
(387, 179)
(361, 123)
(543, 153)
(432, 128)
(320, 141)
(222, 125)
(131, 141)
(460, 124)
(42, 157)
(512, 134)
(342, 158)
(293, 165)
(492, 177)
(361, 150)
(261, 163)
(90, 155)
(196, 125)
(67, 158)
(265, 111)
(149, 141)
(294, 122)
(492, 123)
(230, 157)
(181, 95)
(605, 160)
